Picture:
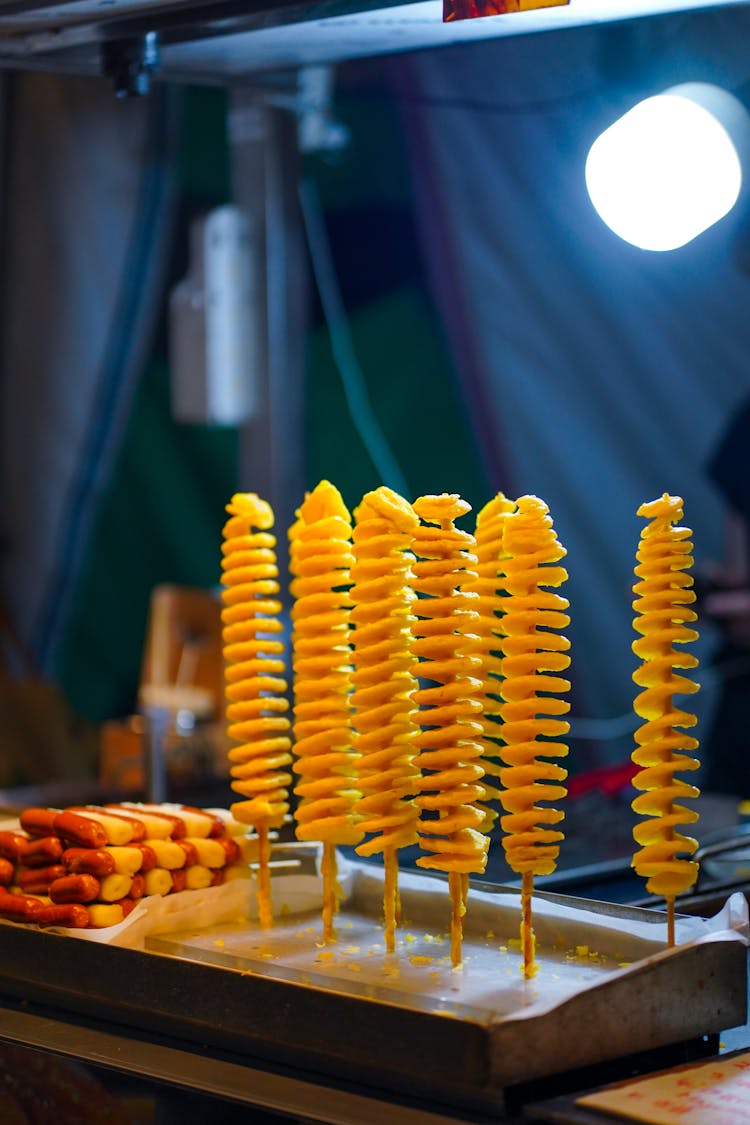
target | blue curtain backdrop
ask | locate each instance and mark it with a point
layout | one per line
(89, 207)
(597, 375)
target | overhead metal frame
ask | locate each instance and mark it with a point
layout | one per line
(228, 40)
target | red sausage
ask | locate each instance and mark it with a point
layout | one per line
(74, 888)
(88, 861)
(149, 856)
(80, 830)
(10, 845)
(38, 880)
(72, 914)
(190, 850)
(19, 908)
(7, 871)
(40, 852)
(137, 887)
(179, 878)
(38, 821)
(137, 827)
(231, 847)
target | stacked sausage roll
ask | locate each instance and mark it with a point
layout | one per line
(88, 866)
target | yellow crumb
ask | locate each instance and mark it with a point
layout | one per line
(327, 955)
(420, 959)
(409, 937)
(503, 949)
(219, 943)
(490, 934)
(623, 964)
(353, 965)
(352, 949)
(582, 950)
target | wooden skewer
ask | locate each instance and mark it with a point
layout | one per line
(265, 906)
(391, 902)
(528, 942)
(398, 907)
(669, 899)
(455, 885)
(670, 921)
(330, 902)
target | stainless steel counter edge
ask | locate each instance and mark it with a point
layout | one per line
(194, 1071)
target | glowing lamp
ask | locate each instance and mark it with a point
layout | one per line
(671, 167)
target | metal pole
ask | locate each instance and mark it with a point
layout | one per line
(157, 724)
(265, 178)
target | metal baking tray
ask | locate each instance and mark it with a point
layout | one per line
(409, 1022)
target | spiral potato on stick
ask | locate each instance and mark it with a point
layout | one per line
(320, 562)
(535, 654)
(256, 684)
(663, 599)
(489, 588)
(384, 716)
(450, 713)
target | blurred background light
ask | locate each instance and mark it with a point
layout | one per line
(671, 167)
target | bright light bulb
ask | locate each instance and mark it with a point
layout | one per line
(669, 168)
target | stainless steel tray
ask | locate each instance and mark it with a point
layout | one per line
(409, 1022)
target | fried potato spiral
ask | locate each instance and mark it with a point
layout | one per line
(256, 685)
(450, 712)
(320, 561)
(664, 595)
(534, 655)
(489, 588)
(384, 711)
(384, 716)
